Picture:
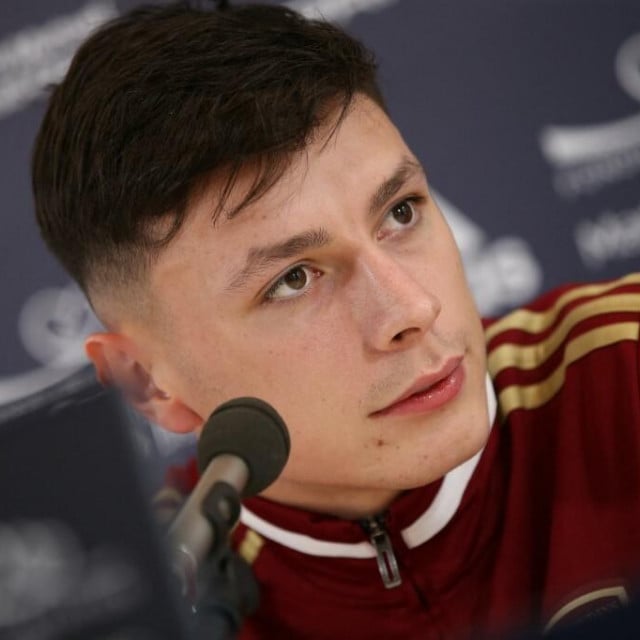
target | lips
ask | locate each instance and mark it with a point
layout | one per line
(429, 391)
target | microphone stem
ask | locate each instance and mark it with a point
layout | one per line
(194, 532)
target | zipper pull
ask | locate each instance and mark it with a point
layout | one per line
(387, 563)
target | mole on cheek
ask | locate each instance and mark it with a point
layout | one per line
(380, 443)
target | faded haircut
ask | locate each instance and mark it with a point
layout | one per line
(161, 100)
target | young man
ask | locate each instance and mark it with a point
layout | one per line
(231, 194)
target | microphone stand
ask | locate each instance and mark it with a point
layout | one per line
(242, 449)
(226, 590)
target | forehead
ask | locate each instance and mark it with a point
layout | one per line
(339, 170)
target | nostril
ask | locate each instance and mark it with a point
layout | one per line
(402, 335)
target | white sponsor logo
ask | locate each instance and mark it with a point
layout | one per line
(337, 10)
(502, 273)
(587, 158)
(52, 326)
(35, 57)
(614, 235)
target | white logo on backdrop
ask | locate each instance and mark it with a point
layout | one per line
(35, 57)
(589, 157)
(52, 587)
(52, 325)
(337, 10)
(613, 235)
(502, 273)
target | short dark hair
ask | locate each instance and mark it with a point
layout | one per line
(161, 99)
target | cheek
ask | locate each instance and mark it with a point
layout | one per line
(297, 364)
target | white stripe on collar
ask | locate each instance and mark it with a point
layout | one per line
(431, 522)
(448, 498)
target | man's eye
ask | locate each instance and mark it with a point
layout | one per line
(401, 216)
(293, 283)
(403, 212)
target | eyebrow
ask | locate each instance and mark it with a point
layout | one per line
(406, 169)
(258, 258)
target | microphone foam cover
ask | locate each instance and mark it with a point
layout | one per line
(252, 430)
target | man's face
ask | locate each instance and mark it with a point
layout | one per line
(339, 298)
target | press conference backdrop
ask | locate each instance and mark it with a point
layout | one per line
(525, 113)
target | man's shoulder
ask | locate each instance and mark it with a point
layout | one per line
(531, 351)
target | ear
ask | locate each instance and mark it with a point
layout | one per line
(117, 363)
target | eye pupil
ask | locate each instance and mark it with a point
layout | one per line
(403, 213)
(296, 278)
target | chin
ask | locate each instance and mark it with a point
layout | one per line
(459, 451)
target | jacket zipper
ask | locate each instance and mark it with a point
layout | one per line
(387, 563)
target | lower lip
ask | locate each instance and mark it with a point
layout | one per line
(432, 398)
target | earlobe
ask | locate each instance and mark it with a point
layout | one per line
(116, 364)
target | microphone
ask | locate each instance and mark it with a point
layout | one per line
(242, 449)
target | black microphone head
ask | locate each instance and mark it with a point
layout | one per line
(252, 430)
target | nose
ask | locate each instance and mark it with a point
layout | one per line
(394, 302)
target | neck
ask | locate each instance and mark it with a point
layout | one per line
(348, 504)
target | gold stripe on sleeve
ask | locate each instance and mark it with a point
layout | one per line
(536, 321)
(250, 546)
(532, 356)
(535, 395)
